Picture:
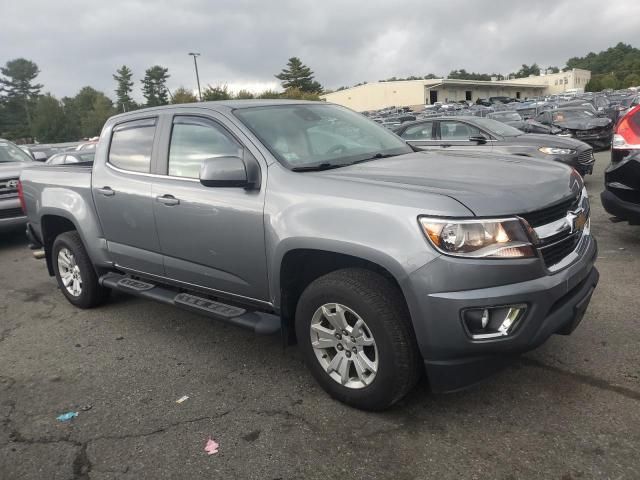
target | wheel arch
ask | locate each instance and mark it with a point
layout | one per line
(300, 266)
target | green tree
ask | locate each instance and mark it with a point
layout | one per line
(124, 102)
(87, 112)
(297, 94)
(269, 94)
(19, 93)
(593, 85)
(92, 121)
(609, 81)
(297, 75)
(527, 70)
(182, 95)
(220, 92)
(462, 74)
(49, 120)
(631, 80)
(154, 86)
(244, 95)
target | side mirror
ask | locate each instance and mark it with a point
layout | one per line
(480, 139)
(230, 172)
(40, 156)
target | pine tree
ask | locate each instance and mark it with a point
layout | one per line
(299, 76)
(154, 86)
(124, 102)
(19, 94)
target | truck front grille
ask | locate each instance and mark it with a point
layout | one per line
(11, 213)
(561, 231)
(552, 213)
(9, 187)
(554, 253)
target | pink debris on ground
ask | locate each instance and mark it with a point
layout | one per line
(211, 447)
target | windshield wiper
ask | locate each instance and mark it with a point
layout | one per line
(375, 157)
(318, 167)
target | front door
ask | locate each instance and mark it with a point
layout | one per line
(421, 135)
(122, 193)
(456, 135)
(210, 236)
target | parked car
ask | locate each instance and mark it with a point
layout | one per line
(486, 135)
(621, 197)
(71, 157)
(580, 124)
(12, 161)
(313, 220)
(527, 126)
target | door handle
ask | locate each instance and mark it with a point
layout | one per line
(168, 200)
(107, 191)
(445, 145)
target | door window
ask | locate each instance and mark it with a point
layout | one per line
(457, 131)
(422, 131)
(131, 145)
(194, 139)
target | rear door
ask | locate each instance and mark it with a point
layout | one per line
(210, 237)
(122, 193)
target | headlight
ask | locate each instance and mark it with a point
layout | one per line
(557, 151)
(565, 133)
(500, 238)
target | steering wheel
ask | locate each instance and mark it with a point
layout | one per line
(337, 149)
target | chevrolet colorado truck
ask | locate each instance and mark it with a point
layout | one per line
(12, 161)
(309, 219)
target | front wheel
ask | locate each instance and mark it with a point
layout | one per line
(355, 334)
(75, 273)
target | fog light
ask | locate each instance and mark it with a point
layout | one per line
(493, 322)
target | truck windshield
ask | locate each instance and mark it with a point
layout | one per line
(11, 153)
(304, 136)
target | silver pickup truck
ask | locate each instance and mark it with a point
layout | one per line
(12, 161)
(309, 219)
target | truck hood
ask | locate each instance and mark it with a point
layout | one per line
(584, 124)
(486, 184)
(11, 169)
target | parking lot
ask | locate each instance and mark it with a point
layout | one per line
(569, 410)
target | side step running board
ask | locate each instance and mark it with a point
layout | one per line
(260, 323)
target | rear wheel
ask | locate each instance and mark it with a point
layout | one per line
(75, 273)
(354, 330)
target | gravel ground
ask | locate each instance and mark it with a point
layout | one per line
(569, 410)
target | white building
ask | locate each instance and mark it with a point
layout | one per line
(416, 93)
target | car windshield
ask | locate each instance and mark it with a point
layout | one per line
(497, 128)
(311, 136)
(506, 116)
(564, 115)
(11, 153)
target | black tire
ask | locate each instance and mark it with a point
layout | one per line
(92, 294)
(380, 304)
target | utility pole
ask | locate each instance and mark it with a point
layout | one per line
(195, 64)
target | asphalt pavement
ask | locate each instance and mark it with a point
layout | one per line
(568, 410)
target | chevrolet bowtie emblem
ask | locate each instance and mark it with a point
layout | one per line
(576, 219)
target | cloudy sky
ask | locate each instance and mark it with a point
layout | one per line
(244, 42)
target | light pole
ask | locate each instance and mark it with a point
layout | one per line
(195, 64)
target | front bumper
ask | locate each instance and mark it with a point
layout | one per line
(621, 197)
(601, 140)
(620, 208)
(555, 304)
(11, 214)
